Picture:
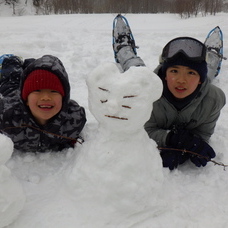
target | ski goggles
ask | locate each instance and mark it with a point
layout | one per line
(192, 49)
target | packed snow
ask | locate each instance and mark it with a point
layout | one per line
(12, 196)
(108, 180)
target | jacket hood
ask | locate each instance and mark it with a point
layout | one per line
(55, 66)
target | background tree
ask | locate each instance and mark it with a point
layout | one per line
(186, 8)
(13, 4)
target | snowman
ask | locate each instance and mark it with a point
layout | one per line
(119, 167)
(12, 197)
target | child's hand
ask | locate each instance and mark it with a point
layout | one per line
(183, 139)
(205, 152)
(172, 158)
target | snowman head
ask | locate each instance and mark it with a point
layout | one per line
(122, 102)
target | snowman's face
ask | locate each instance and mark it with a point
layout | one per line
(121, 101)
(116, 104)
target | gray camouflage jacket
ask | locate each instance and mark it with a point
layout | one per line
(62, 131)
(200, 116)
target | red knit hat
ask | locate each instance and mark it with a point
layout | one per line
(41, 79)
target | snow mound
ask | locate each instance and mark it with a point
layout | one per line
(12, 197)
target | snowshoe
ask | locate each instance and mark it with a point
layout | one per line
(122, 35)
(214, 44)
(11, 71)
(2, 59)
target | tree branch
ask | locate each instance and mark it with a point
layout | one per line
(196, 154)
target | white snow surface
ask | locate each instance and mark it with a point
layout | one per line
(100, 183)
(12, 196)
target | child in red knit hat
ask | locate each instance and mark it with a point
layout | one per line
(39, 115)
(43, 92)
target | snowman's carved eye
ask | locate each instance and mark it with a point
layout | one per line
(131, 96)
(103, 101)
(103, 89)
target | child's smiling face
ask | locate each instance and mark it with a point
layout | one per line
(44, 104)
(182, 81)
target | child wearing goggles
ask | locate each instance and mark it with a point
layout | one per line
(184, 118)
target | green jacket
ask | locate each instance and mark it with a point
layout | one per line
(199, 116)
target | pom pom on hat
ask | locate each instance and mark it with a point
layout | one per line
(41, 79)
(200, 67)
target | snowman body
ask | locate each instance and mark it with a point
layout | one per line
(121, 166)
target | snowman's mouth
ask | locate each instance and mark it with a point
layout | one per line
(116, 117)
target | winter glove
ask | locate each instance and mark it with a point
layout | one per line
(180, 139)
(183, 139)
(172, 158)
(205, 152)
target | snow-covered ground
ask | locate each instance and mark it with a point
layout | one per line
(189, 197)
